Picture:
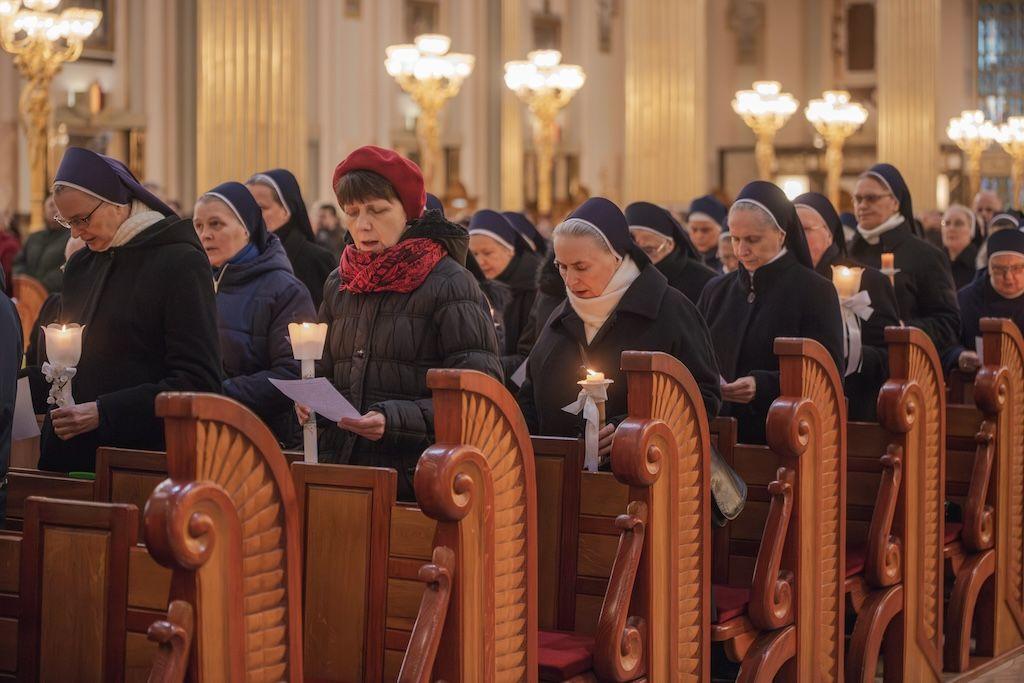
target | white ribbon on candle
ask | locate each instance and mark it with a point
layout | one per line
(59, 376)
(586, 402)
(855, 309)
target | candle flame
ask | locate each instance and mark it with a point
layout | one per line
(63, 328)
(305, 326)
(845, 271)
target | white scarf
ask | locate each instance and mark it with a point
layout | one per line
(596, 310)
(140, 218)
(873, 236)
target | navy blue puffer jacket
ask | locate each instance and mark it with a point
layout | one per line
(256, 299)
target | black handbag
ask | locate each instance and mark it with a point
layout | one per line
(728, 490)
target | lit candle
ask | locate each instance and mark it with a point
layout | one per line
(889, 265)
(846, 280)
(307, 340)
(597, 386)
(64, 344)
(593, 376)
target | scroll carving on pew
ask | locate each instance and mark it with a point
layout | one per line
(477, 482)
(174, 638)
(418, 664)
(806, 428)
(225, 521)
(662, 452)
(911, 407)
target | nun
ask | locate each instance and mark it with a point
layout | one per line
(525, 227)
(849, 222)
(503, 254)
(705, 222)
(773, 293)
(616, 301)
(550, 293)
(284, 212)
(257, 296)
(996, 295)
(668, 247)
(867, 356)
(959, 228)
(924, 284)
(1009, 220)
(143, 291)
(725, 252)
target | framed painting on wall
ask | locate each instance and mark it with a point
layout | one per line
(100, 45)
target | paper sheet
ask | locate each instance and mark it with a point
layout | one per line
(25, 425)
(978, 350)
(319, 395)
(519, 376)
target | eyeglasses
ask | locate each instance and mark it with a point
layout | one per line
(956, 224)
(869, 198)
(1003, 271)
(654, 251)
(77, 223)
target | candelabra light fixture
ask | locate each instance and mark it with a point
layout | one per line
(546, 86)
(1010, 136)
(765, 109)
(41, 41)
(432, 76)
(973, 135)
(835, 118)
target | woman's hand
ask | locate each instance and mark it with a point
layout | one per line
(302, 412)
(604, 440)
(70, 421)
(740, 391)
(369, 426)
(969, 361)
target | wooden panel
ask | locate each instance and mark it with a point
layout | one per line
(596, 555)
(550, 481)
(337, 528)
(8, 645)
(149, 584)
(588, 608)
(750, 524)
(962, 421)
(412, 533)
(24, 483)
(756, 464)
(10, 559)
(138, 658)
(403, 602)
(25, 453)
(601, 494)
(75, 567)
(392, 664)
(867, 440)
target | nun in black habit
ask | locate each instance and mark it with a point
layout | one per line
(774, 293)
(668, 247)
(924, 284)
(503, 254)
(959, 232)
(825, 240)
(525, 227)
(616, 301)
(998, 294)
(284, 211)
(143, 291)
(705, 222)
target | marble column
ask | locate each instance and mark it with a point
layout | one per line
(908, 52)
(251, 89)
(513, 46)
(666, 100)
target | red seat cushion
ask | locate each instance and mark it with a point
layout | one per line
(856, 555)
(563, 655)
(951, 532)
(730, 601)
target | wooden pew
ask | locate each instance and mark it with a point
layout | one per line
(791, 618)
(23, 484)
(29, 295)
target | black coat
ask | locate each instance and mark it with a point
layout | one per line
(745, 315)
(151, 326)
(311, 263)
(651, 316)
(862, 387)
(924, 284)
(685, 274)
(550, 293)
(10, 363)
(380, 346)
(965, 266)
(711, 260)
(42, 256)
(980, 300)
(521, 278)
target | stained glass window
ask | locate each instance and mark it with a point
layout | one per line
(1001, 58)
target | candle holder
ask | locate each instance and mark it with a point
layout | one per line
(855, 306)
(889, 267)
(307, 341)
(63, 351)
(591, 402)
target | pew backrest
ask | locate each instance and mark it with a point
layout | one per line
(225, 521)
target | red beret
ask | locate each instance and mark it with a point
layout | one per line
(404, 175)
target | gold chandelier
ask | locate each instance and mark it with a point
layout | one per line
(765, 109)
(835, 118)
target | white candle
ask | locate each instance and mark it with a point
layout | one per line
(888, 261)
(846, 280)
(593, 376)
(64, 344)
(307, 340)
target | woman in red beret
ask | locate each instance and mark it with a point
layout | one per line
(400, 303)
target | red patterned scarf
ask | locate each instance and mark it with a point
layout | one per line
(401, 268)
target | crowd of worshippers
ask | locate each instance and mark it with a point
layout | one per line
(204, 303)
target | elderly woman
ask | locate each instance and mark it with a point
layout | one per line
(668, 247)
(400, 304)
(705, 223)
(959, 228)
(280, 199)
(996, 295)
(1010, 220)
(503, 254)
(774, 293)
(825, 240)
(525, 227)
(257, 296)
(924, 284)
(142, 289)
(616, 301)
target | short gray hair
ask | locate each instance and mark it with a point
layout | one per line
(762, 214)
(577, 227)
